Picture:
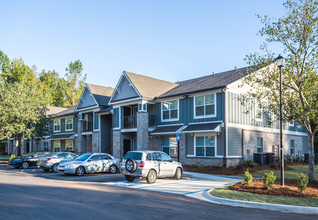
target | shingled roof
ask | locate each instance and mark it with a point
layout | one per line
(149, 87)
(69, 111)
(213, 81)
(52, 110)
(101, 94)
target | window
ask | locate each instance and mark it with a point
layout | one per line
(57, 146)
(96, 121)
(205, 146)
(68, 145)
(259, 145)
(292, 144)
(94, 158)
(169, 110)
(169, 146)
(69, 124)
(105, 157)
(57, 125)
(45, 146)
(291, 123)
(71, 156)
(258, 112)
(165, 157)
(204, 106)
(142, 107)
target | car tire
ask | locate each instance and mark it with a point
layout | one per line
(46, 170)
(129, 178)
(151, 177)
(113, 169)
(55, 168)
(80, 171)
(25, 165)
(131, 165)
(178, 174)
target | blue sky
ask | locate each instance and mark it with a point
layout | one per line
(171, 40)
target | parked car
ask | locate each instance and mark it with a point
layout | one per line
(52, 161)
(149, 165)
(91, 163)
(27, 160)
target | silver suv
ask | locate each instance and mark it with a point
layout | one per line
(149, 165)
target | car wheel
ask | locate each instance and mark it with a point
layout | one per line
(129, 178)
(178, 174)
(80, 171)
(55, 168)
(113, 169)
(46, 170)
(151, 177)
(131, 165)
(25, 165)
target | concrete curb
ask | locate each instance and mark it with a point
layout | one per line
(258, 205)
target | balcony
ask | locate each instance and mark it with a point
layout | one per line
(87, 126)
(130, 122)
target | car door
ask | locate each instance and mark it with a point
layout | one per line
(94, 164)
(166, 165)
(107, 162)
(34, 159)
(161, 167)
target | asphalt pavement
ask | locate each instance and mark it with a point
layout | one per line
(34, 194)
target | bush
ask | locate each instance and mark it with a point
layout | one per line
(277, 159)
(248, 178)
(297, 160)
(248, 163)
(12, 156)
(200, 166)
(269, 179)
(302, 182)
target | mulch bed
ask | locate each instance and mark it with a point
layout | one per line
(290, 189)
(3, 162)
(229, 170)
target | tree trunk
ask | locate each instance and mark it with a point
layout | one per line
(311, 160)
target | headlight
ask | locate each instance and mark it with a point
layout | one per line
(71, 166)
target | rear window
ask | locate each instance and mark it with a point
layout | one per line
(133, 155)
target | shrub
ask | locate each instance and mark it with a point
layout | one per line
(297, 160)
(269, 179)
(277, 159)
(200, 166)
(12, 156)
(249, 163)
(248, 178)
(302, 182)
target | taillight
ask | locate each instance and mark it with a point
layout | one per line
(142, 163)
(48, 159)
(122, 163)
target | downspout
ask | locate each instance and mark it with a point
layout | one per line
(225, 124)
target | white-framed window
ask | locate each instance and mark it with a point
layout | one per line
(259, 145)
(96, 121)
(205, 146)
(170, 110)
(169, 146)
(57, 146)
(291, 124)
(258, 112)
(57, 125)
(142, 107)
(69, 124)
(205, 106)
(68, 145)
(45, 146)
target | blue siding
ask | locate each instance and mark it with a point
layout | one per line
(124, 91)
(186, 111)
(115, 117)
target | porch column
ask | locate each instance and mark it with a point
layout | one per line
(81, 144)
(142, 130)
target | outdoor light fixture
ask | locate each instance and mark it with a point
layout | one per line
(280, 63)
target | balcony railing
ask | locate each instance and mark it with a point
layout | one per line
(131, 121)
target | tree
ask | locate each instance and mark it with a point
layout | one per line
(74, 82)
(297, 33)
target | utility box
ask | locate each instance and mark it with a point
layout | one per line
(270, 158)
(260, 158)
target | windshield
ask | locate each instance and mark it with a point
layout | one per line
(29, 154)
(133, 155)
(83, 157)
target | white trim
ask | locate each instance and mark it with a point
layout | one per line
(55, 131)
(88, 109)
(195, 147)
(174, 119)
(207, 122)
(72, 124)
(62, 133)
(126, 100)
(128, 130)
(87, 133)
(163, 133)
(204, 116)
(169, 125)
(117, 85)
(271, 130)
(202, 131)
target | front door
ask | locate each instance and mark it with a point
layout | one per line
(127, 146)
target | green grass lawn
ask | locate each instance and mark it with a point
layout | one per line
(289, 174)
(244, 196)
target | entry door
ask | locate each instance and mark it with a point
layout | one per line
(127, 146)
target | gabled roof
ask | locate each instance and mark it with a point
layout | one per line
(149, 87)
(210, 82)
(52, 110)
(69, 111)
(101, 94)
